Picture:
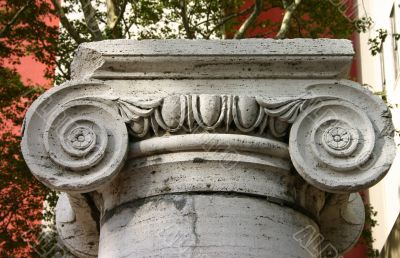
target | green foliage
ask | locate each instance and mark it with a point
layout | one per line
(21, 196)
(11, 91)
(323, 19)
(366, 24)
(23, 31)
(376, 43)
(370, 223)
(363, 24)
(29, 34)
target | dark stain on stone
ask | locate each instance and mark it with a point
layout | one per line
(198, 160)
(166, 189)
(94, 211)
(179, 203)
(132, 206)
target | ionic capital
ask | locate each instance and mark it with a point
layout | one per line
(183, 125)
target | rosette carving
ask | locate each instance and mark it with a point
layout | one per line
(332, 146)
(75, 146)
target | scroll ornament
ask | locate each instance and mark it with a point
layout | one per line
(333, 143)
(74, 146)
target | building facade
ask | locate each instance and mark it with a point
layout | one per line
(381, 73)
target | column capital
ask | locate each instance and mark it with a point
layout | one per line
(340, 135)
(145, 120)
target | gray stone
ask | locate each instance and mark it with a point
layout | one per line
(178, 148)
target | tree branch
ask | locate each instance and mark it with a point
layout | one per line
(227, 18)
(298, 25)
(90, 17)
(286, 19)
(114, 15)
(285, 4)
(185, 20)
(13, 19)
(66, 23)
(65, 75)
(258, 6)
(11, 214)
(126, 29)
(122, 11)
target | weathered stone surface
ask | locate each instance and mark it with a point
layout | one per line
(248, 58)
(78, 229)
(342, 221)
(203, 226)
(214, 129)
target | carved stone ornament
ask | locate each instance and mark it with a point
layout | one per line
(195, 141)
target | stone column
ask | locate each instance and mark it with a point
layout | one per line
(236, 148)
